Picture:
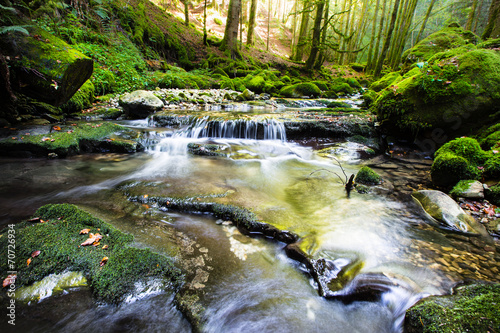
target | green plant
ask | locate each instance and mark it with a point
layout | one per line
(367, 176)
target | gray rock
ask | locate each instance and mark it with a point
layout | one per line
(140, 104)
(475, 190)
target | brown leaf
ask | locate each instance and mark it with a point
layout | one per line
(96, 244)
(92, 239)
(104, 247)
(103, 261)
(28, 261)
(35, 254)
(84, 231)
(10, 279)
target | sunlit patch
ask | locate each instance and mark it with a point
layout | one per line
(241, 245)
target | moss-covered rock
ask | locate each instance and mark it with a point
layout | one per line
(256, 84)
(367, 176)
(493, 194)
(45, 67)
(140, 104)
(472, 308)
(448, 38)
(55, 232)
(74, 139)
(82, 99)
(455, 94)
(386, 81)
(471, 189)
(300, 90)
(457, 160)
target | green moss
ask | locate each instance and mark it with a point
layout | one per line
(342, 88)
(471, 308)
(300, 90)
(58, 241)
(218, 21)
(461, 187)
(492, 167)
(286, 79)
(493, 194)
(449, 168)
(71, 140)
(467, 148)
(322, 85)
(353, 83)
(367, 176)
(386, 81)
(256, 84)
(82, 99)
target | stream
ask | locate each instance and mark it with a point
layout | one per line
(245, 284)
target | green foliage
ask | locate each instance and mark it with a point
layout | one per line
(58, 241)
(256, 84)
(353, 83)
(218, 21)
(367, 176)
(492, 167)
(493, 194)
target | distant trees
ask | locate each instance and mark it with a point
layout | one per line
(229, 42)
(493, 27)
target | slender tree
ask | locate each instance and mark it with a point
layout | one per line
(205, 23)
(472, 13)
(427, 15)
(303, 30)
(230, 40)
(320, 5)
(186, 11)
(493, 27)
(251, 22)
(385, 47)
(374, 31)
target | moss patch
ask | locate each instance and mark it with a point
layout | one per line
(367, 176)
(471, 308)
(73, 139)
(58, 240)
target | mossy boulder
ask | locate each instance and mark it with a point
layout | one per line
(472, 308)
(300, 90)
(67, 140)
(457, 160)
(55, 231)
(367, 176)
(256, 84)
(45, 67)
(448, 38)
(82, 99)
(140, 104)
(470, 189)
(457, 93)
(385, 81)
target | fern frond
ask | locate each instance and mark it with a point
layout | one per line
(13, 28)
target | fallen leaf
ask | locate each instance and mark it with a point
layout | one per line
(35, 254)
(103, 261)
(92, 239)
(104, 247)
(84, 231)
(490, 211)
(45, 139)
(10, 279)
(28, 261)
(97, 244)
(56, 128)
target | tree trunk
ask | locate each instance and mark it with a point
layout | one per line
(493, 27)
(205, 23)
(316, 35)
(251, 22)
(472, 13)
(373, 64)
(479, 11)
(385, 47)
(268, 23)
(230, 40)
(299, 52)
(372, 39)
(186, 12)
(422, 28)
(322, 57)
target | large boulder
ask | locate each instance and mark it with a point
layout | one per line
(45, 67)
(455, 92)
(140, 104)
(445, 212)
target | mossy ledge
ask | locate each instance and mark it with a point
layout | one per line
(67, 140)
(59, 241)
(472, 308)
(243, 219)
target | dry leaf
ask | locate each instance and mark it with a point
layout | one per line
(57, 128)
(84, 231)
(92, 239)
(28, 262)
(97, 244)
(35, 254)
(104, 247)
(103, 261)
(11, 279)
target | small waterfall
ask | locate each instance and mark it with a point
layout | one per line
(268, 129)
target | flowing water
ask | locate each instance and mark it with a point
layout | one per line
(246, 284)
